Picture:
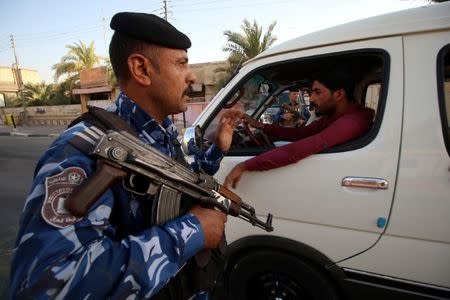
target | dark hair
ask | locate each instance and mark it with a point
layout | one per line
(335, 78)
(122, 46)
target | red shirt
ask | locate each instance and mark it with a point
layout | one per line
(314, 138)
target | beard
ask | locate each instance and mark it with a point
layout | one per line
(322, 112)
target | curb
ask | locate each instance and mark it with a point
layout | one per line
(30, 134)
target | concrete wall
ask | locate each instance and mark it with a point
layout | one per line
(62, 115)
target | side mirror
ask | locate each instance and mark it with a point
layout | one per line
(193, 136)
(198, 138)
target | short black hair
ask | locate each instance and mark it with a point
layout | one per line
(337, 77)
(122, 46)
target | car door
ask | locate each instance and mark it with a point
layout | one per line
(420, 225)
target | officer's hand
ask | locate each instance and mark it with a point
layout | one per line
(288, 116)
(234, 176)
(213, 224)
(227, 123)
(249, 120)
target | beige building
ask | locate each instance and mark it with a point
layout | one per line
(95, 91)
(208, 75)
(9, 87)
(94, 88)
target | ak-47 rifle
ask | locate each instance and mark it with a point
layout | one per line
(145, 171)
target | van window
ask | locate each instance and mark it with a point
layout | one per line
(264, 93)
(372, 96)
(443, 71)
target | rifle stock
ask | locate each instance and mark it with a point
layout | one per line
(82, 198)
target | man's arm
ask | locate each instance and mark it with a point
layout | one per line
(342, 130)
(84, 258)
(295, 133)
(278, 132)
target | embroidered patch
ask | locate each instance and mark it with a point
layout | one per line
(57, 189)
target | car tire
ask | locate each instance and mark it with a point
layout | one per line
(272, 275)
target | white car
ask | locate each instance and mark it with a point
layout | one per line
(368, 219)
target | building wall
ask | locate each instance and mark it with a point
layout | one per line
(62, 115)
(8, 83)
(7, 76)
(208, 75)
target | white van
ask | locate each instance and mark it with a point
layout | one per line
(368, 219)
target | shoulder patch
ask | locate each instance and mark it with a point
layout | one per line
(86, 139)
(57, 188)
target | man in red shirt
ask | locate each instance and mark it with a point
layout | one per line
(342, 120)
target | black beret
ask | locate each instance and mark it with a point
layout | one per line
(149, 28)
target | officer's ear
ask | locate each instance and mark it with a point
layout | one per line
(138, 67)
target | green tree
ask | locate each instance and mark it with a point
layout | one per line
(36, 94)
(244, 46)
(79, 57)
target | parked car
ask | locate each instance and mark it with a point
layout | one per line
(368, 219)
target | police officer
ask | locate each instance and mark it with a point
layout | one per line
(113, 252)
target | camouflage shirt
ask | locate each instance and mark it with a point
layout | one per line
(61, 256)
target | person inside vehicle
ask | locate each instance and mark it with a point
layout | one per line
(114, 252)
(292, 114)
(342, 120)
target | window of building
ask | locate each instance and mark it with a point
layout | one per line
(2, 100)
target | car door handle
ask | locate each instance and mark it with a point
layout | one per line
(368, 182)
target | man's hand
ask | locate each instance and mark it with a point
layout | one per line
(213, 224)
(249, 120)
(234, 176)
(227, 123)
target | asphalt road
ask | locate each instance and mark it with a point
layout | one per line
(18, 157)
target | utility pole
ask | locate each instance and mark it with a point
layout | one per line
(19, 79)
(166, 13)
(165, 18)
(165, 9)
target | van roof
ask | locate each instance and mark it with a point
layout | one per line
(425, 18)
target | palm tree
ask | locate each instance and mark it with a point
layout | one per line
(242, 47)
(38, 93)
(79, 57)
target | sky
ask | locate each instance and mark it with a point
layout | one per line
(42, 29)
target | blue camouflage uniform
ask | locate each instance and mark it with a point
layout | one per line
(92, 257)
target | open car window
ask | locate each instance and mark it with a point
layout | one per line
(263, 94)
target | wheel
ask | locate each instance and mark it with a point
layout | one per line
(271, 275)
